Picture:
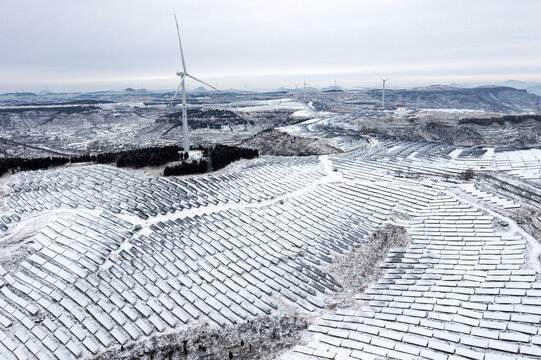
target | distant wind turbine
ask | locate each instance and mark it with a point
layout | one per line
(304, 90)
(305, 85)
(183, 75)
(383, 95)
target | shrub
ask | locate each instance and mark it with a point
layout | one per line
(467, 175)
(223, 155)
(186, 168)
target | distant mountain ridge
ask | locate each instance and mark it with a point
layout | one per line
(502, 99)
(532, 87)
(22, 93)
(489, 98)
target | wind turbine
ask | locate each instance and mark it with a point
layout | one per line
(305, 85)
(183, 75)
(383, 95)
(304, 90)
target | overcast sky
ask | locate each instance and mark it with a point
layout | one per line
(68, 45)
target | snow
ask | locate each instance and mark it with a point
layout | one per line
(266, 105)
(534, 245)
(326, 165)
(402, 111)
(27, 227)
(308, 112)
(454, 111)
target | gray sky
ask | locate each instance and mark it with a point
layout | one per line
(67, 45)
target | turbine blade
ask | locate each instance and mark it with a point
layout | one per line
(171, 128)
(202, 82)
(180, 45)
(174, 96)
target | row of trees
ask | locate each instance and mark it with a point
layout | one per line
(208, 118)
(151, 156)
(501, 119)
(187, 168)
(21, 164)
(223, 155)
(57, 109)
(219, 156)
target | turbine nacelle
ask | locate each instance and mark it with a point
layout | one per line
(181, 74)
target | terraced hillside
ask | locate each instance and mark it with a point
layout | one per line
(98, 262)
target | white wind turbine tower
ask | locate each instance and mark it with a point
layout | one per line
(304, 90)
(305, 85)
(383, 96)
(183, 75)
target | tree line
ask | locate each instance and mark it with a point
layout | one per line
(57, 109)
(150, 156)
(219, 157)
(208, 118)
(187, 168)
(223, 155)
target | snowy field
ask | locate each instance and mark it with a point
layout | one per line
(101, 125)
(383, 248)
(99, 261)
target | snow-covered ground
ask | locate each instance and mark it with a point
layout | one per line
(119, 259)
(453, 111)
(101, 261)
(265, 105)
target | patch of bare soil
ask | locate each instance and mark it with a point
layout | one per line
(278, 143)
